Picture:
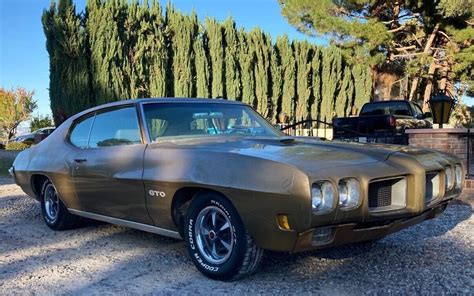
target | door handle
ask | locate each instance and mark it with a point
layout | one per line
(79, 160)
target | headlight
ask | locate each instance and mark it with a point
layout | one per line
(458, 174)
(449, 181)
(349, 193)
(322, 197)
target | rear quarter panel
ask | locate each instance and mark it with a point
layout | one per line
(47, 158)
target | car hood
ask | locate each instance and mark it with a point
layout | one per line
(304, 153)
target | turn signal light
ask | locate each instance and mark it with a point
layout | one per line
(283, 222)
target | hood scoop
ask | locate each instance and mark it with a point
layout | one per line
(287, 141)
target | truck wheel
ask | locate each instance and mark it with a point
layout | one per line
(217, 241)
(55, 214)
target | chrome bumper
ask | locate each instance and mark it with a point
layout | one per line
(335, 235)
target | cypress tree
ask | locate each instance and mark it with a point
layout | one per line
(276, 81)
(261, 44)
(157, 52)
(316, 83)
(121, 49)
(247, 61)
(303, 53)
(105, 27)
(331, 77)
(69, 85)
(183, 29)
(203, 74)
(136, 29)
(362, 86)
(216, 54)
(232, 72)
(346, 93)
(288, 65)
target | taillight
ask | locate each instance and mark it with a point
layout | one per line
(393, 121)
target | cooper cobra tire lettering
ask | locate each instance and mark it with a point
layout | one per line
(206, 266)
(190, 234)
(244, 256)
(221, 207)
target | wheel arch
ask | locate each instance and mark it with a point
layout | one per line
(181, 200)
(37, 181)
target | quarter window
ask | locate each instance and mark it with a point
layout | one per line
(80, 133)
(115, 128)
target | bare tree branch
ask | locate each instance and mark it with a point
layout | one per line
(402, 27)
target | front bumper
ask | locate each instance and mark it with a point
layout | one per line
(358, 232)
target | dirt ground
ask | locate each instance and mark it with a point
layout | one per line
(436, 256)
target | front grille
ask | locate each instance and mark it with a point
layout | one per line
(380, 193)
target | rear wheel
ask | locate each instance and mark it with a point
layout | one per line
(217, 241)
(55, 214)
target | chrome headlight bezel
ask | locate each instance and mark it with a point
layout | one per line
(323, 197)
(458, 174)
(448, 178)
(349, 193)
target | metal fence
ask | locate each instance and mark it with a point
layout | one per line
(325, 130)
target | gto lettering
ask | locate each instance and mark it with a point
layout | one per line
(156, 193)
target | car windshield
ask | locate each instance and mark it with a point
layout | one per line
(166, 120)
(385, 108)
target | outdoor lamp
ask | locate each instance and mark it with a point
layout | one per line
(441, 106)
(282, 117)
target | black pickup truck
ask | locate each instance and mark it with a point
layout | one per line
(382, 121)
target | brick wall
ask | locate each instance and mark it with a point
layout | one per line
(447, 140)
(468, 191)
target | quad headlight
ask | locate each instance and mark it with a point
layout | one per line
(349, 193)
(458, 176)
(322, 197)
(448, 178)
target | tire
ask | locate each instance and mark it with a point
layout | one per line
(55, 214)
(217, 241)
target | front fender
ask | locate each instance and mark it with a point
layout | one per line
(259, 189)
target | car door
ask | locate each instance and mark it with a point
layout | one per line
(107, 168)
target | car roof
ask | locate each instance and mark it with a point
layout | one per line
(171, 100)
(388, 101)
(154, 100)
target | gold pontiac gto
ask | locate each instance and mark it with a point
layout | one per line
(221, 177)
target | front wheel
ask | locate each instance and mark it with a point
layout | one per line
(217, 241)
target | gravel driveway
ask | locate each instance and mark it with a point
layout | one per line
(434, 257)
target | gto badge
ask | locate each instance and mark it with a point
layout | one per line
(156, 193)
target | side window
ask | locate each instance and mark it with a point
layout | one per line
(416, 109)
(80, 133)
(115, 128)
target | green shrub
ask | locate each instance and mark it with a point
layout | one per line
(17, 146)
(28, 142)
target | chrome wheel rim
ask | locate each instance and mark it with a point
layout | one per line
(51, 203)
(214, 235)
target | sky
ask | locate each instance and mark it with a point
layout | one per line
(24, 60)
